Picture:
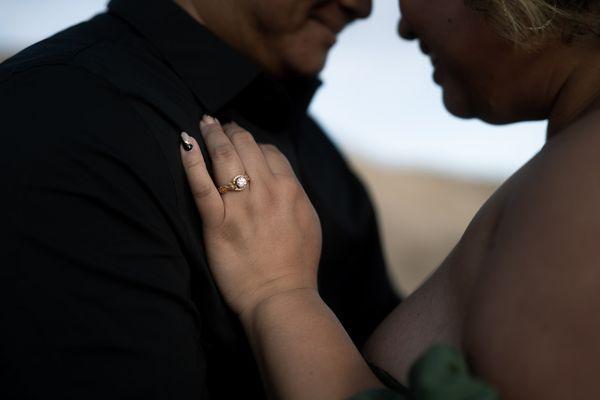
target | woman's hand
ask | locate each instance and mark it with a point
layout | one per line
(263, 246)
(263, 241)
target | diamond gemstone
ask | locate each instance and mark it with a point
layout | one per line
(241, 182)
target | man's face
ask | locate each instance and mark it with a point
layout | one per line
(300, 33)
(288, 37)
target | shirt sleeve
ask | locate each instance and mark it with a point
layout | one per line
(95, 289)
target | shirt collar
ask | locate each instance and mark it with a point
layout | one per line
(212, 69)
(216, 73)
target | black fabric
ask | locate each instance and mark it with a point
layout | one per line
(105, 292)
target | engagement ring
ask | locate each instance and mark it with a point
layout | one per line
(237, 184)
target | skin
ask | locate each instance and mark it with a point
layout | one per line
(518, 294)
(500, 295)
(286, 37)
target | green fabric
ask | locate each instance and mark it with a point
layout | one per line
(380, 394)
(440, 374)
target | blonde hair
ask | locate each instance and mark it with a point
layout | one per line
(529, 22)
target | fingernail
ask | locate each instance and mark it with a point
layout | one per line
(186, 142)
(206, 120)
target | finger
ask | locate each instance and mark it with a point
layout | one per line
(252, 157)
(225, 159)
(207, 197)
(277, 162)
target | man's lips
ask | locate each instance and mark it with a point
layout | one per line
(334, 24)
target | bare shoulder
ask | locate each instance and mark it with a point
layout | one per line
(533, 323)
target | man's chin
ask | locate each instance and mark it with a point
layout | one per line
(304, 66)
(307, 71)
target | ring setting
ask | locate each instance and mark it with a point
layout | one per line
(237, 184)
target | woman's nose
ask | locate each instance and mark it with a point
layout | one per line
(405, 31)
(358, 8)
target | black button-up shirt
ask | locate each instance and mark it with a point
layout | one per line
(105, 290)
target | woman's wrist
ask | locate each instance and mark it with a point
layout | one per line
(277, 303)
(303, 349)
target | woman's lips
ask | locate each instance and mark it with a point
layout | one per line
(437, 74)
(427, 51)
(433, 58)
(438, 71)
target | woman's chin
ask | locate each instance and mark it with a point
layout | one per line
(462, 105)
(467, 110)
(467, 105)
(457, 105)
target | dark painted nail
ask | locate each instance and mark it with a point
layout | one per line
(186, 142)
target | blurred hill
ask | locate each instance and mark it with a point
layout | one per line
(422, 216)
(6, 53)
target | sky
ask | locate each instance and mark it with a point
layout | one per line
(378, 99)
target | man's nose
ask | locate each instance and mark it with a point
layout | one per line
(357, 8)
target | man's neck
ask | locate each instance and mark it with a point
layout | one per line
(188, 7)
(225, 21)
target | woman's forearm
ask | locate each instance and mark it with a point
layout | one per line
(303, 351)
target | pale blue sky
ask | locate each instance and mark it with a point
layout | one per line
(378, 99)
